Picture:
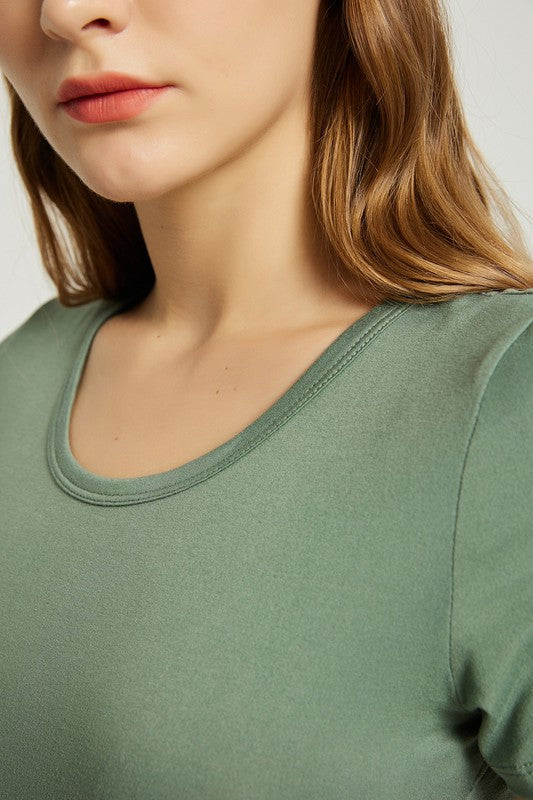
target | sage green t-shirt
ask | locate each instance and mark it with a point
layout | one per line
(335, 604)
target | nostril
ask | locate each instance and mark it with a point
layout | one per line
(100, 23)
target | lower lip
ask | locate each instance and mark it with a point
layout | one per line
(114, 106)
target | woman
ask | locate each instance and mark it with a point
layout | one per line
(266, 458)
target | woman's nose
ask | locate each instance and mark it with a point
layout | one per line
(73, 20)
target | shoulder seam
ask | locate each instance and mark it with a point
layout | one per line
(457, 503)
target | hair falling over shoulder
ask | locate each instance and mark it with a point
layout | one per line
(408, 208)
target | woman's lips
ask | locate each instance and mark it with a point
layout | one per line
(112, 106)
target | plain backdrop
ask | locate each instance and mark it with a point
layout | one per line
(494, 64)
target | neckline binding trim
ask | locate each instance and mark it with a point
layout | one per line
(95, 489)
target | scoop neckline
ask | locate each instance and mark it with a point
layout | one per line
(97, 489)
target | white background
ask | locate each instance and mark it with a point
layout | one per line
(494, 67)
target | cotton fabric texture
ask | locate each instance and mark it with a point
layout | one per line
(336, 603)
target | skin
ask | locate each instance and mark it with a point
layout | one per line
(216, 169)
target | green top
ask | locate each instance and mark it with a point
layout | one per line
(336, 603)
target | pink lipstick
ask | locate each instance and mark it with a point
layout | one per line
(107, 97)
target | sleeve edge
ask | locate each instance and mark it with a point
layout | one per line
(476, 416)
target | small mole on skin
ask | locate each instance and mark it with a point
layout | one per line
(217, 391)
(115, 438)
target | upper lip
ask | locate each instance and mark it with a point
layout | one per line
(100, 83)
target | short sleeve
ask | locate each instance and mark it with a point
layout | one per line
(491, 635)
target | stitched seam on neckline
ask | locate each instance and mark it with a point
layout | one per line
(174, 486)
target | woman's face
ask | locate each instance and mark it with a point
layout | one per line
(233, 66)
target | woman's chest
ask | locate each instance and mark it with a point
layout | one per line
(132, 420)
(227, 652)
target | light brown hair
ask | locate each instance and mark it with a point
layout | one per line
(407, 206)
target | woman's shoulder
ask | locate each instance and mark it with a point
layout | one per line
(494, 310)
(51, 324)
(473, 330)
(445, 355)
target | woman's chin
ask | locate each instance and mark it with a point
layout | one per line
(126, 191)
